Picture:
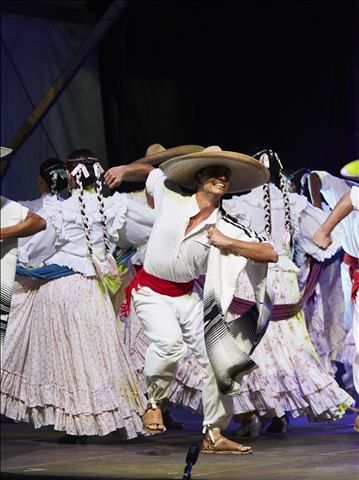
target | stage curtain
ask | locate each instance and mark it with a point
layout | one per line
(39, 49)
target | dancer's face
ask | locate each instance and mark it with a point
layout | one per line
(214, 180)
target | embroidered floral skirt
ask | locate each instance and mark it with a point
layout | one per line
(64, 363)
(290, 377)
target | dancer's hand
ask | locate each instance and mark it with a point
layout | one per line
(217, 239)
(322, 238)
(114, 176)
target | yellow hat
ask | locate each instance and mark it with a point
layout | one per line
(351, 170)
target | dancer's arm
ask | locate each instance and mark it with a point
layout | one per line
(32, 224)
(259, 252)
(134, 172)
(315, 185)
(341, 210)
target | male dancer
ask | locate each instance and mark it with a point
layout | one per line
(164, 295)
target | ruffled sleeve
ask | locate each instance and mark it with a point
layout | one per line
(37, 248)
(298, 203)
(116, 213)
(310, 220)
(155, 185)
(138, 225)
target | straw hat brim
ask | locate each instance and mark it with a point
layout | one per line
(246, 172)
(4, 151)
(351, 170)
(160, 157)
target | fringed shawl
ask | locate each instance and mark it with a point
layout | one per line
(229, 346)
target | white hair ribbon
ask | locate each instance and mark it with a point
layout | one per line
(264, 160)
(80, 169)
(278, 160)
(304, 179)
(97, 167)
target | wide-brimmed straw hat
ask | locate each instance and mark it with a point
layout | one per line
(157, 154)
(246, 171)
(4, 151)
(351, 170)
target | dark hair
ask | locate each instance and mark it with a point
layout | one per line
(275, 165)
(87, 158)
(296, 176)
(53, 172)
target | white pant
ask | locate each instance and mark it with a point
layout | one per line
(170, 324)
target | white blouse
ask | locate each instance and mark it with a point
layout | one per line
(305, 220)
(63, 242)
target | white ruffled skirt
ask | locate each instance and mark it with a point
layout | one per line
(64, 363)
(290, 377)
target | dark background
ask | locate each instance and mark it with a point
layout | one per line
(237, 74)
(240, 74)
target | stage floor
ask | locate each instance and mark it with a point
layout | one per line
(309, 451)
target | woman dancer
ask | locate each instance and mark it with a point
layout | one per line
(290, 377)
(63, 360)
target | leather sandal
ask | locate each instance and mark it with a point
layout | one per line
(215, 443)
(152, 420)
(356, 421)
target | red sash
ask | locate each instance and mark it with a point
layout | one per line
(158, 285)
(353, 264)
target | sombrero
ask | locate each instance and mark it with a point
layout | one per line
(4, 151)
(246, 172)
(157, 154)
(351, 170)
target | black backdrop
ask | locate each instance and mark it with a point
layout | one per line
(236, 74)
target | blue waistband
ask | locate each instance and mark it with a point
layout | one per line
(53, 271)
(47, 272)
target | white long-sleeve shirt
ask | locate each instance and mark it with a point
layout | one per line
(171, 254)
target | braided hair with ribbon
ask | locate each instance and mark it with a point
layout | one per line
(53, 172)
(270, 160)
(87, 170)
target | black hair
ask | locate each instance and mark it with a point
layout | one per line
(275, 166)
(86, 158)
(296, 177)
(53, 172)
